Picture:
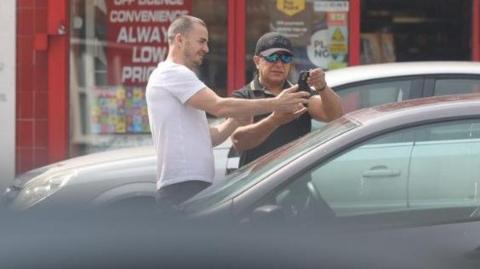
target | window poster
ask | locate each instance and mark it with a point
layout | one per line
(136, 41)
(318, 30)
(119, 110)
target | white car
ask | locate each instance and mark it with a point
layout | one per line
(370, 85)
(129, 174)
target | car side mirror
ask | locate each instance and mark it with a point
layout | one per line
(267, 215)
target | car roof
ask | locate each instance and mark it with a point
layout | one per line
(419, 109)
(376, 71)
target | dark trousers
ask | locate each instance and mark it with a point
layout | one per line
(170, 196)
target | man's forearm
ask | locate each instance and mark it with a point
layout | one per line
(231, 107)
(208, 101)
(250, 136)
(220, 132)
(332, 104)
(325, 107)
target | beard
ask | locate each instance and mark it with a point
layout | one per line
(191, 60)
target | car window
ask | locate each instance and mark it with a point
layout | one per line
(445, 165)
(370, 94)
(454, 130)
(456, 86)
(374, 93)
(433, 166)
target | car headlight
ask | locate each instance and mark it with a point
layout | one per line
(12, 191)
(40, 188)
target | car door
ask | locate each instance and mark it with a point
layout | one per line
(371, 177)
(445, 163)
(368, 178)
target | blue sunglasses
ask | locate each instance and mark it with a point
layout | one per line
(273, 58)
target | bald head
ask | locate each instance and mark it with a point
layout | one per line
(182, 25)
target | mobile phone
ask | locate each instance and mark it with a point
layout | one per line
(302, 81)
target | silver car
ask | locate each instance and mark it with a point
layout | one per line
(129, 174)
(412, 162)
(123, 175)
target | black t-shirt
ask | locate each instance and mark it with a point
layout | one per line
(282, 135)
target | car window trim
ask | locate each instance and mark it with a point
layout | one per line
(430, 80)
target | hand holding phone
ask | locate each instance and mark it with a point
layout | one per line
(302, 81)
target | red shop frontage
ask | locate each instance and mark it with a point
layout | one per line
(82, 65)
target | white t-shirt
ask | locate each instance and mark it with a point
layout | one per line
(180, 133)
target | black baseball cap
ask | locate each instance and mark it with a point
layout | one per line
(273, 42)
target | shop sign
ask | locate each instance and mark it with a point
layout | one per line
(137, 37)
(290, 7)
(331, 6)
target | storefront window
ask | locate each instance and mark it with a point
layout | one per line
(115, 45)
(317, 29)
(428, 30)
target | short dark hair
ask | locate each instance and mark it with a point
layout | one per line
(182, 25)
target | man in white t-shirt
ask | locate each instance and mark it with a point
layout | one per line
(177, 101)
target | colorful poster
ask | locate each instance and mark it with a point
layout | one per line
(318, 30)
(119, 110)
(328, 47)
(137, 37)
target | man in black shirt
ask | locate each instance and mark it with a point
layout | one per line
(273, 60)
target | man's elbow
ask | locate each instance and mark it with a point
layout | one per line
(223, 112)
(220, 110)
(334, 114)
(237, 142)
(339, 113)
